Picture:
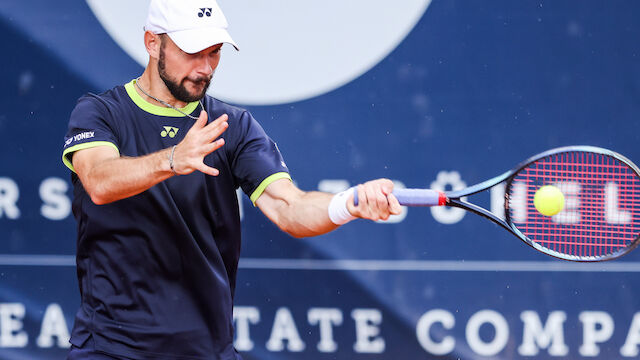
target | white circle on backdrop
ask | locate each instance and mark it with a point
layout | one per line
(289, 50)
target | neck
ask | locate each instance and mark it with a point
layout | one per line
(153, 85)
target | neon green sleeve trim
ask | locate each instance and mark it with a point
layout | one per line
(154, 109)
(266, 182)
(67, 161)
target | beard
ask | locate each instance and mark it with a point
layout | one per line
(177, 88)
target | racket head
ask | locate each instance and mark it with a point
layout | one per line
(601, 217)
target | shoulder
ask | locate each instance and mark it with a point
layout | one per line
(217, 107)
(242, 125)
(105, 102)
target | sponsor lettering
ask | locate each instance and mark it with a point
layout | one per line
(82, 136)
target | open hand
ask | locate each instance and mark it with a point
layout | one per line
(199, 142)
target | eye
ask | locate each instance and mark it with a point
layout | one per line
(216, 51)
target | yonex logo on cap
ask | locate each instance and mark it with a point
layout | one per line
(169, 131)
(205, 11)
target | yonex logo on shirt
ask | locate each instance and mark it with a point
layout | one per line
(204, 11)
(83, 136)
(169, 131)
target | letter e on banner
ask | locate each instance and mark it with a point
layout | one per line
(367, 331)
(11, 333)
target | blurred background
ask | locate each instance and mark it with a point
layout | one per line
(442, 93)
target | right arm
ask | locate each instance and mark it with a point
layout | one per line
(108, 177)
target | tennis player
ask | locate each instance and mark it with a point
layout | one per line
(155, 165)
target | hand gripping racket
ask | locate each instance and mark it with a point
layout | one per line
(601, 215)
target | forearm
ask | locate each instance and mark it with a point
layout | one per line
(305, 215)
(118, 178)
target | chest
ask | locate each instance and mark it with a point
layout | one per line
(142, 136)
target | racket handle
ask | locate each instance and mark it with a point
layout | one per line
(420, 197)
(414, 197)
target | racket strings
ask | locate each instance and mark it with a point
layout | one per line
(601, 207)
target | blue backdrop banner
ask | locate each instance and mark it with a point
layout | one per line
(439, 94)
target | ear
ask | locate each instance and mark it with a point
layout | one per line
(152, 42)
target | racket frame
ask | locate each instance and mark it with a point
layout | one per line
(454, 199)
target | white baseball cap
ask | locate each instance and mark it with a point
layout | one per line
(193, 25)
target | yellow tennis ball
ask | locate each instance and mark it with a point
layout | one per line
(548, 200)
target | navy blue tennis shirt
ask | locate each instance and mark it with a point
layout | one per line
(157, 270)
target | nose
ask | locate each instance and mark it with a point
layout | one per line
(204, 67)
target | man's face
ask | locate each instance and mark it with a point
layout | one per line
(187, 76)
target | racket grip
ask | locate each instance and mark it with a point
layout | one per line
(420, 197)
(414, 197)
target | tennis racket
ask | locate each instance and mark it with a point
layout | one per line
(601, 215)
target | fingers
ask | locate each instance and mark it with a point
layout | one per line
(218, 124)
(376, 200)
(199, 142)
(209, 170)
(221, 118)
(213, 129)
(208, 132)
(195, 161)
(202, 120)
(387, 188)
(394, 206)
(209, 148)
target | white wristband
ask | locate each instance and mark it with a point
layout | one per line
(338, 212)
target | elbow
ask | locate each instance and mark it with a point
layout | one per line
(291, 232)
(98, 200)
(297, 235)
(96, 186)
(98, 197)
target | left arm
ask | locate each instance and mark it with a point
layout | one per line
(305, 214)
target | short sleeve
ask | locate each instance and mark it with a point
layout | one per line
(88, 127)
(257, 161)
